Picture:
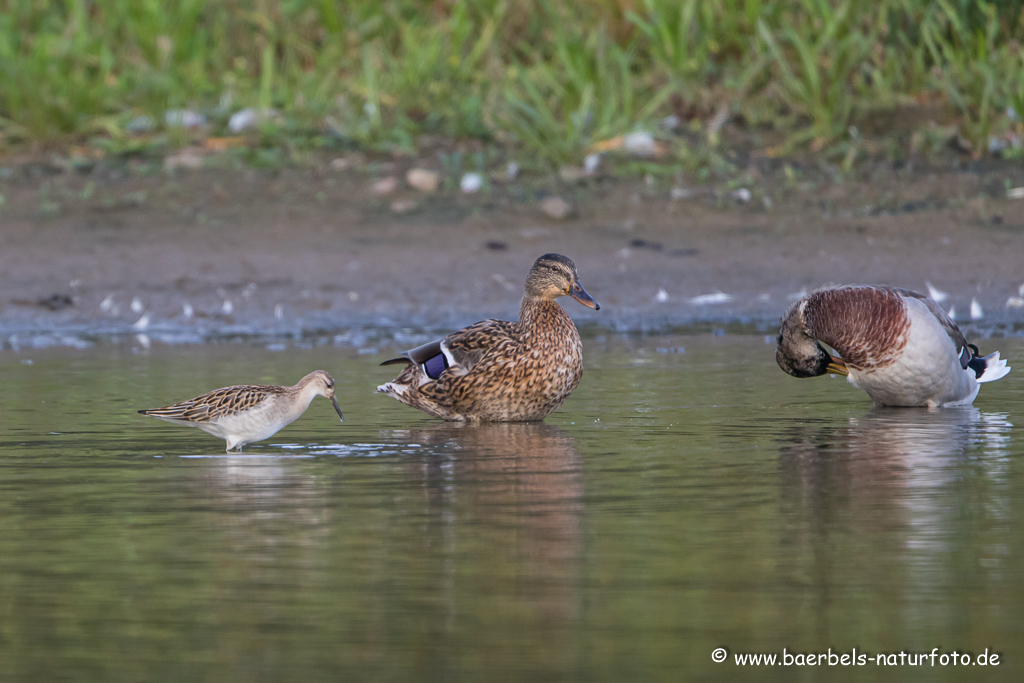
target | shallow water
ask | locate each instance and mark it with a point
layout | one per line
(688, 496)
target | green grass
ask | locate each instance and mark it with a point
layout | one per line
(543, 80)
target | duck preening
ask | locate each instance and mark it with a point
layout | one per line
(898, 346)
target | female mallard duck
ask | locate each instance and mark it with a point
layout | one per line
(896, 345)
(499, 371)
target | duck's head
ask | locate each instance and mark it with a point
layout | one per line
(800, 354)
(554, 275)
(324, 386)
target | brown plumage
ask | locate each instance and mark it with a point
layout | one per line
(866, 325)
(248, 412)
(502, 371)
(219, 403)
(898, 346)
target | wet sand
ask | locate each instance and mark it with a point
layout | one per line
(302, 250)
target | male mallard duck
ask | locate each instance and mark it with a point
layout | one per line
(897, 345)
(502, 371)
(249, 412)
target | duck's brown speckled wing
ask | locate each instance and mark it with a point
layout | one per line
(470, 344)
(216, 404)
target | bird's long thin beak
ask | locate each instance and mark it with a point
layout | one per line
(577, 292)
(837, 366)
(334, 402)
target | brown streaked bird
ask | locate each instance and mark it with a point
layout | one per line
(898, 346)
(500, 371)
(249, 412)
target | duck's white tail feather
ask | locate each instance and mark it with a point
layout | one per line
(995, 368)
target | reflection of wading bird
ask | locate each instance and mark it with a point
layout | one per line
(245, 413)
(497, 370)
(896, 345)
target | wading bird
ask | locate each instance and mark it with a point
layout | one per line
(249, 412)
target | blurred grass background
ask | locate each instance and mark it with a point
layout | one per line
(545, 78)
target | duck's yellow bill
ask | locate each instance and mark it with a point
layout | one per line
(838, 367)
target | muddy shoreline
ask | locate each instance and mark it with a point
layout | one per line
(303, 251)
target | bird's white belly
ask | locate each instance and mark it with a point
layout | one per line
(927, 373)
(252, 425)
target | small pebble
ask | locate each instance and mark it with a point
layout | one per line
(423, 179)
(742, 195)
(384, 186)
(184, 118)
(242, 120)
(556, 207)
(249, 118)
(471, 183)
(56, 302)
(186, 158)
(403, 206)
(640, 143)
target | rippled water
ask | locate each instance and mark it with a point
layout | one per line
(689, 496)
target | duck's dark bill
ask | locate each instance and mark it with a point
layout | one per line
(577, 292)
(334, 402)
(838, 367)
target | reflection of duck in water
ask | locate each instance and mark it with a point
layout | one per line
(879, 466)
(898, 346)
(904, 439)
(532, 465)
(884, 498)
(523, 485)
(497, 370)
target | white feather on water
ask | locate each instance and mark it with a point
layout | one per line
(936, 295)
(711, 299)
(142, 323)
(976, 312)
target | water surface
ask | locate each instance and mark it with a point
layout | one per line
(688, 496)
